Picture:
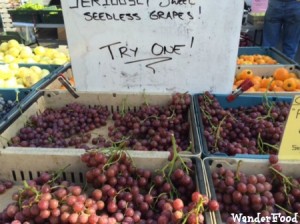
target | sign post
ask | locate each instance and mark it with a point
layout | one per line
(153, 45)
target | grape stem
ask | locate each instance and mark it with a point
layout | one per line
(237, 173)
(217, 135)
(286, 179)
(261, 145)
(285, 210)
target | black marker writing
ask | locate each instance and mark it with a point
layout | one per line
(157, 60)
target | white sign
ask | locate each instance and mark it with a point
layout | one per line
(153, 45)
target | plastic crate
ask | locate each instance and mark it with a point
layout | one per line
(242, 100)
(112, 101)
(51, 16)
(247, 166)
(31, 163)
(54, 71)
(283, 61)
(268, 72)
(24, 16)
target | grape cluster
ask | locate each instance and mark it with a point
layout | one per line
(125, 187)
(64, 127)
(118, 192)
(4, 185)
(250, 194)
(5, 106)
(149, 128)
(245, 130)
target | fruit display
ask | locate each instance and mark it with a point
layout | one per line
(31, 6)
(255, 59)
(145, 128)
(247, 188)
(14, 52)
(254, 126)
(117, 191)
(14, 76)
(282, 80)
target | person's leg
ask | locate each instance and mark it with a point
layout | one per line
(291, 29)
(272, 24)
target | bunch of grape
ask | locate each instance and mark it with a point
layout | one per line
(239, 193)
(244, 130)
(149, 128)
(5, 184)
(156, 197)
(119, 193)
(5, 106)
(67, 126)
(286, 190)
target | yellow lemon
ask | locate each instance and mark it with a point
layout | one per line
(13, 43)
(8, 58)
(14, 51)
(39, 50)
(4, 46)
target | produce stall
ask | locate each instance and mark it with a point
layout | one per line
(151, 114)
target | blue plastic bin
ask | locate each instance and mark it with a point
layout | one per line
(272, 52)
(242, 100)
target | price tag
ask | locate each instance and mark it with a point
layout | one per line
(290, 143)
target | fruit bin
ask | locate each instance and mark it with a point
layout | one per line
(24, 16)
(51, 16)
(32, 163)
(54, 71)
(246, 166)
(282, 60)
(244, 101)
(266, 72)
(113, 102)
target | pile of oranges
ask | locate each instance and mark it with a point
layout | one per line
(256, 59)
(281, 81)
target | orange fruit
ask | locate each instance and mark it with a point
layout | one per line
(278, 89)
(251, 90)
(256, 81)
(298, 83)
(276, 83)
(245, 74)
(281, 74)
(289, 84)
(266, 82)
(239, 82)
(292, 75)
(262, 90)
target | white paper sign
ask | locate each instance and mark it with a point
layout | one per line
(153, 45)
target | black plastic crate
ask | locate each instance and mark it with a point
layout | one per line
(24, 16)
(51, 16)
